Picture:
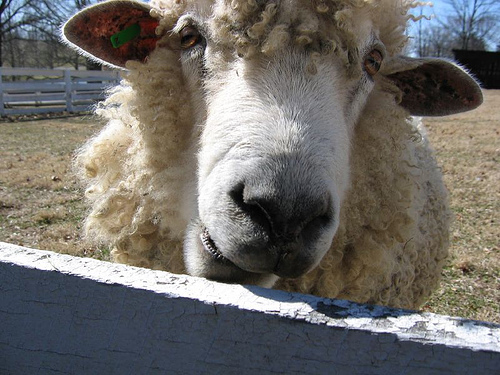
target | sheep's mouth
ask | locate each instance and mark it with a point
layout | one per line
(210, 246)
(209, 262)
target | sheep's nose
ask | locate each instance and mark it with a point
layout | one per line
(286, 213)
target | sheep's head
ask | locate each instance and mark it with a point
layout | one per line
(276, 89)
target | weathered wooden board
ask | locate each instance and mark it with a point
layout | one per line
(65, 315)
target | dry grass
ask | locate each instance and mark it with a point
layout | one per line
(41, 205)
(468, 148)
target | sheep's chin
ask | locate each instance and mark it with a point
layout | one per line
(203, 259)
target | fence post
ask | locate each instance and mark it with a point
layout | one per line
(2, 109)
(69, 90)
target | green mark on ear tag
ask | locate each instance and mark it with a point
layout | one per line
(125, 36)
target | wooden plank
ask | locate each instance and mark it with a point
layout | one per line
(83, 108)
(110, 74)
(97, 80)
(68, 315)
(33, 110)
(90, 86)
(88, 96)
(86, 74)
(34, 97)
(32, 86)
(32, 72)
(46, 98)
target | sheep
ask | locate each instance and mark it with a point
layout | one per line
(272, 143)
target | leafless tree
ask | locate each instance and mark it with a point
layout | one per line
(30, 33)
(14, 14)
(434, 40)
(474, 23)
(467, 24)
(49, 31)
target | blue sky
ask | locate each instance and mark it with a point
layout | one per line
(439, 10)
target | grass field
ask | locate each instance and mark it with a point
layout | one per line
(41, 204)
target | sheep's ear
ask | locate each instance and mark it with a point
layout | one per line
(433, 87)
(113, 32)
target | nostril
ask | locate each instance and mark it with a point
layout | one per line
(236, 194)
(251, 208)
(323, 215)
(286, 219)
(314, 227)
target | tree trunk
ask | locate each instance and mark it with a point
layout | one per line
(1, 41)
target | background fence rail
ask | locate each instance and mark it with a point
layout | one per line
(29, 91)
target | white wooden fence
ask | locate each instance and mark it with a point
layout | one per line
(28, 91)
(65, 315)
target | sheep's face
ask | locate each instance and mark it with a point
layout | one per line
(276, 89)
(273, 162)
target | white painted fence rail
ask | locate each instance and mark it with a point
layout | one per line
(65, 315)
(52, 90)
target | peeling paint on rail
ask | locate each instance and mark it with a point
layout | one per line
(79, 316)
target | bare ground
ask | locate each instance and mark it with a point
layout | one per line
(41, 204)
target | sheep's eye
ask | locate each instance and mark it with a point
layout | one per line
(372, 62)
(190, 37)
